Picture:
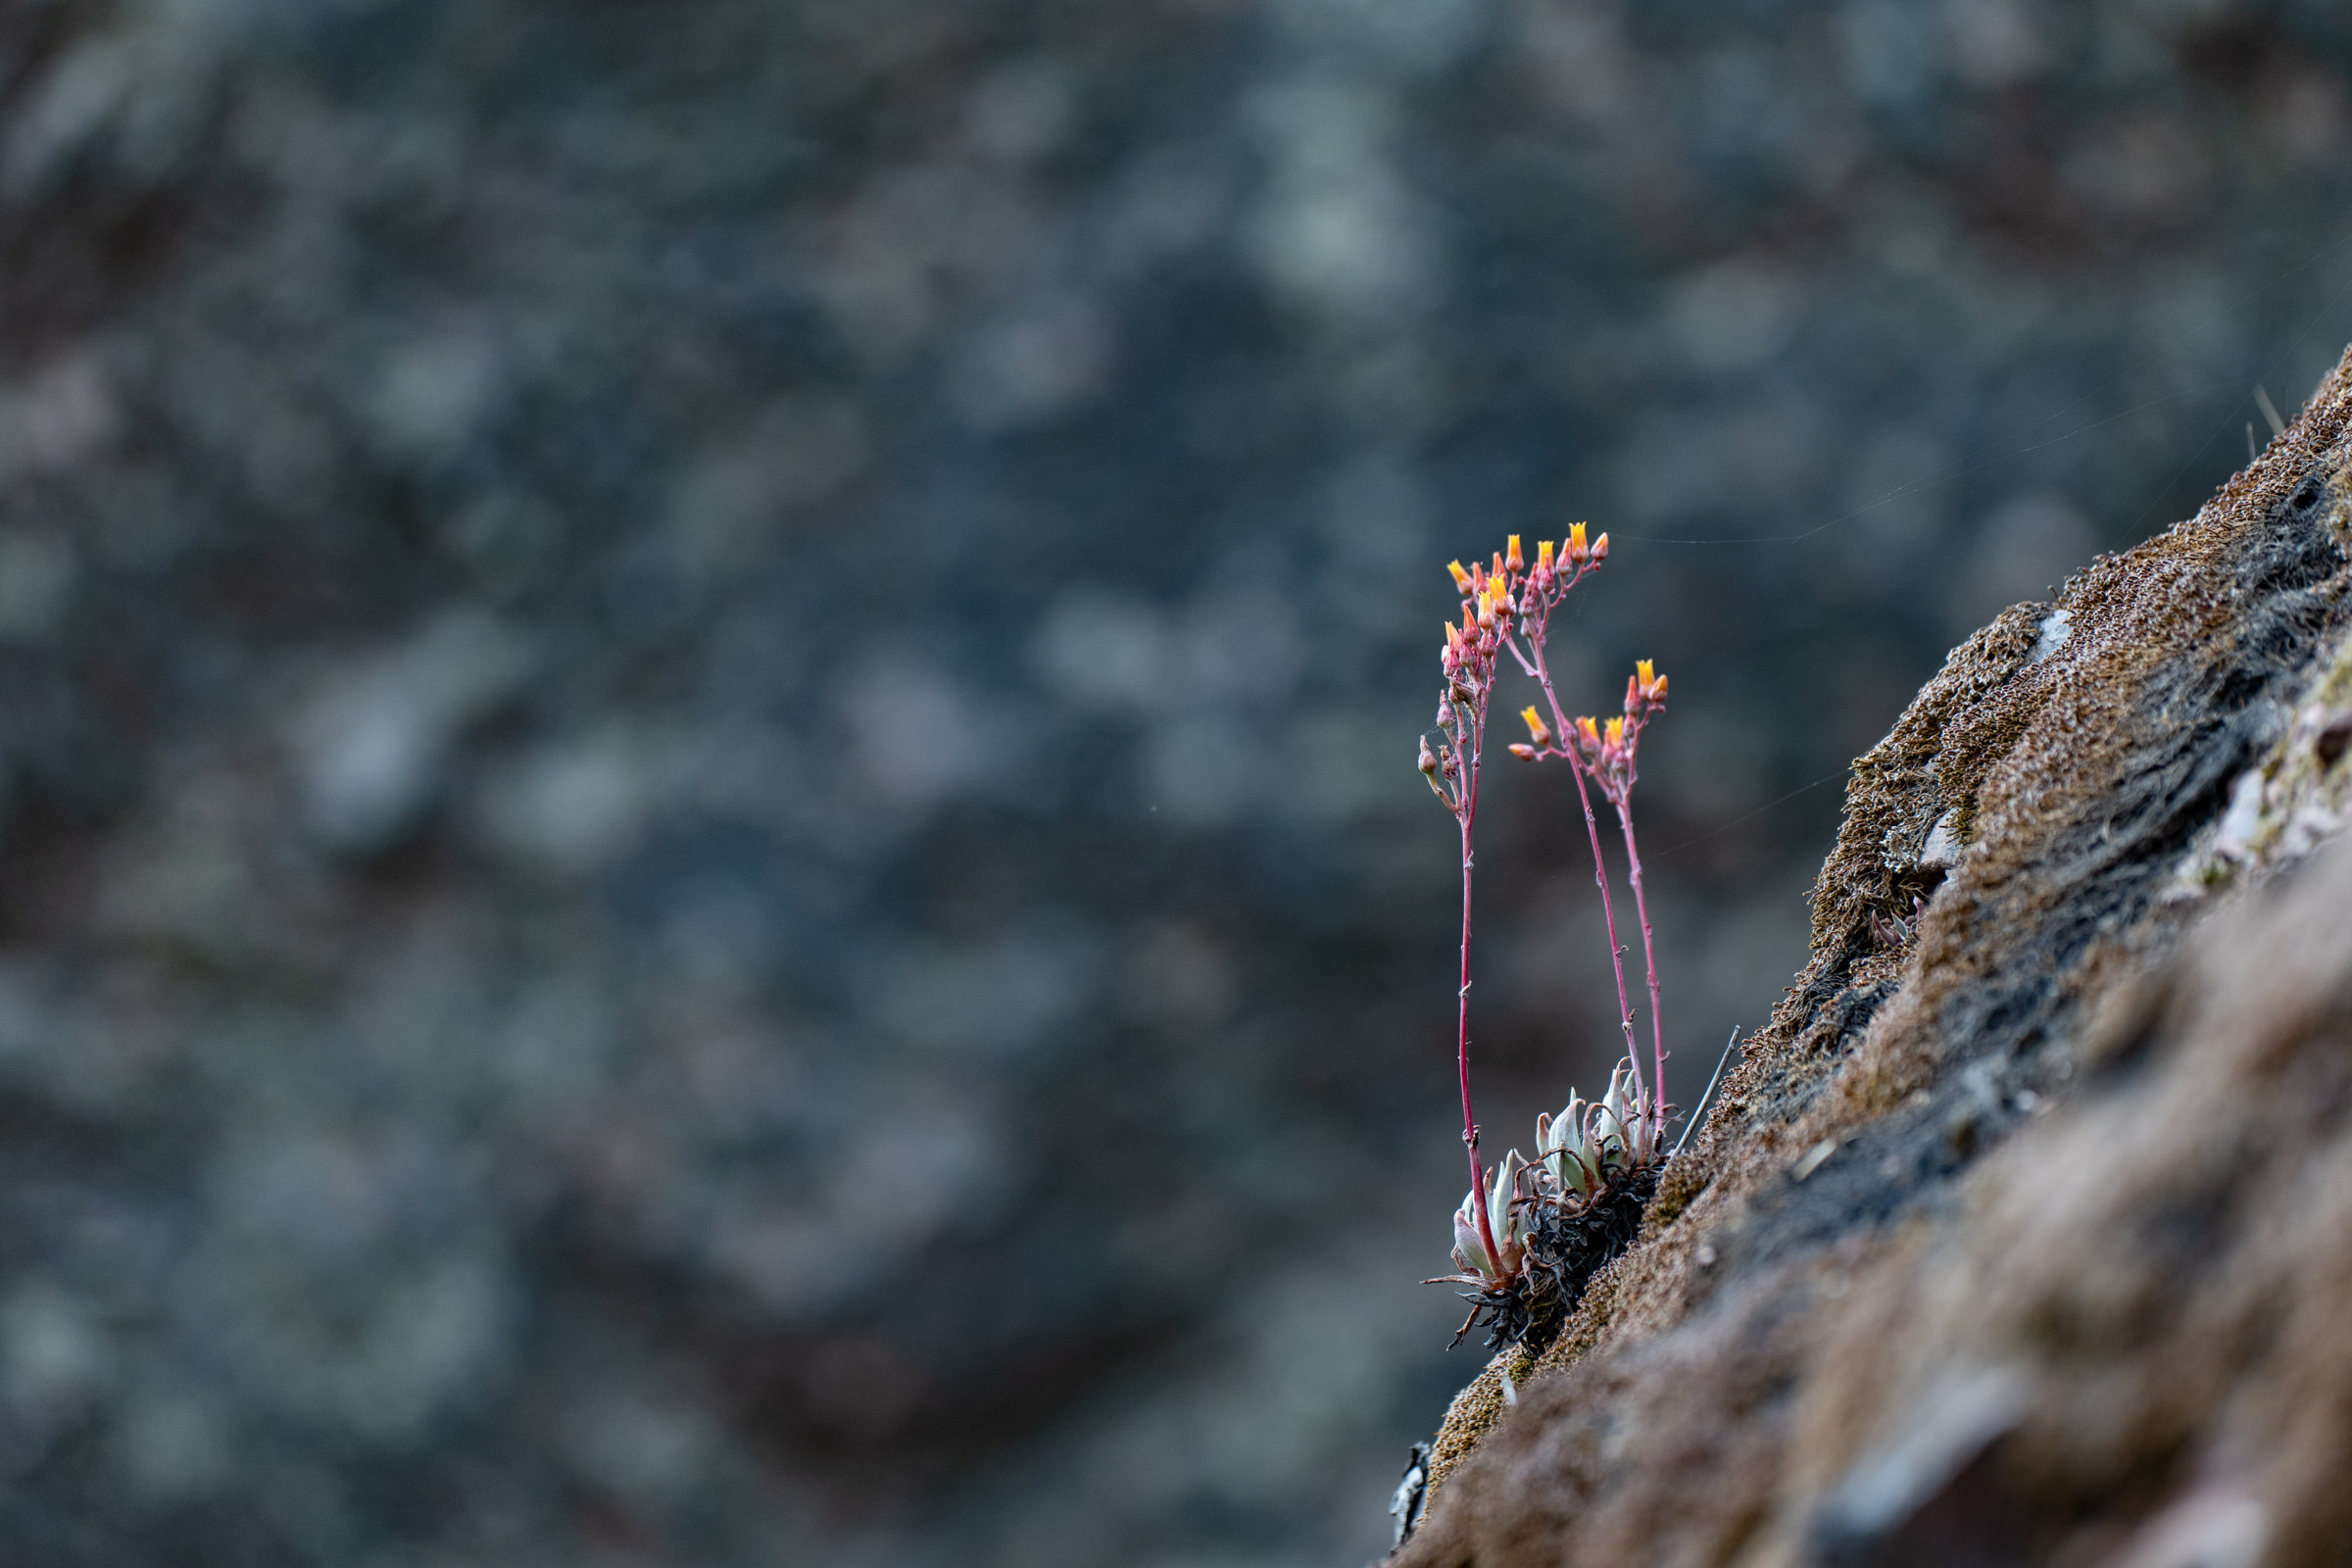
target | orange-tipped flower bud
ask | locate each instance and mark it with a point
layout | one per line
(1511, 557)
(1590, 730)
(1617, 734)
(1461, 578)
(1658, 690)
(1600, 548)
(1524, 752)
(1535, 726)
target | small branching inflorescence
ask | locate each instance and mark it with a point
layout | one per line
(1527, 1236)
(1609, 754)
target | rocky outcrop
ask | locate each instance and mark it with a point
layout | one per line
(2021, 1234)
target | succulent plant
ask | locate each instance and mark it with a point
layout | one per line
(1587, 1142)
(1529, 1237)
(1506, 1216)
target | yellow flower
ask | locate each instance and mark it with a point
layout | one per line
(1461, 578)
(1616, 734)
(1645, 674)
(1542, 553)
(1576, 541)
(1512, 557)
(1535, 726)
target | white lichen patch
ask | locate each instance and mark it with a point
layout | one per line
(1942, 850)
(2056, 627)
(2297, 798)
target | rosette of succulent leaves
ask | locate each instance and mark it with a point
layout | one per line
(1528, 1237)
(1590, 1148)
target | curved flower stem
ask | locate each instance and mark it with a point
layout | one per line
(1600, 875)
(1478, 1176)
(1649, 957)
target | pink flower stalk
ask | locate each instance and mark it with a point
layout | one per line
(1452, 769)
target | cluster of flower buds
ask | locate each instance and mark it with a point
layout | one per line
(1587, 1144)
(1611, 750)
(1536, 589)
(1555, 574)
(1645, 692)
(1507, 1214)
(1468, 659)
(1492, 596)
(1487, 609)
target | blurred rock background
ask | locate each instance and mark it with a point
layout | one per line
(710, 851)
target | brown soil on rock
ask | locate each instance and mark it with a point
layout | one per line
(2027, 1237)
